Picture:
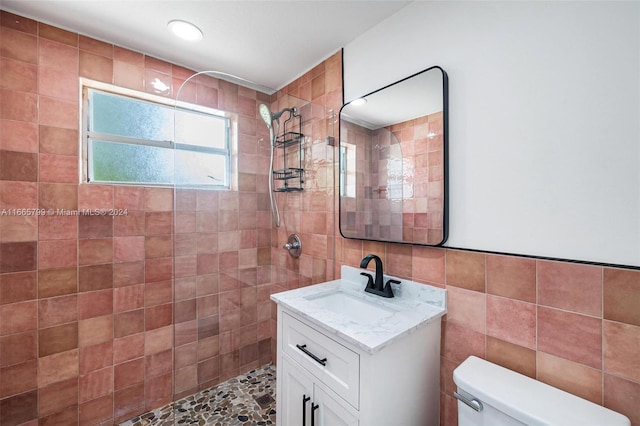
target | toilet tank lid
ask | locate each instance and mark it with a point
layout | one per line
(527, 400)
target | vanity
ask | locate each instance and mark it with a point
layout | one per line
(347, 357)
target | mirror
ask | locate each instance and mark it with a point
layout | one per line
(393, 162)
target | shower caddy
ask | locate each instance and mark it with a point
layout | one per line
(291, 175)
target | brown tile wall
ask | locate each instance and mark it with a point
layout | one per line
(310, 213)
(574, 326)
(89, 322)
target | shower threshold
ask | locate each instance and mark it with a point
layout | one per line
(248, 399)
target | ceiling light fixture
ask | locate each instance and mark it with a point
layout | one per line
(185, 30)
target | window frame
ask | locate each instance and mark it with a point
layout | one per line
(86, 135)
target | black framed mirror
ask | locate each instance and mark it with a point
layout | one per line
(393, 150)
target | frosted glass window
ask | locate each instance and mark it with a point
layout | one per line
(123, 116)
(127, 163)
(130, 140)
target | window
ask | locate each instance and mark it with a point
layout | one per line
(132, 140)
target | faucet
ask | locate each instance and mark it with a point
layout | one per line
(377, 288)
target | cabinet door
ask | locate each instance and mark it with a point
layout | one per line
(296, 385)
(331, 411)
(340, 373)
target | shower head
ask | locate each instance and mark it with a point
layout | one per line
(269, 117)
(276, 115)
(266, 115)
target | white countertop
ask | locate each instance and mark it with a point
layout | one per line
(416, 304)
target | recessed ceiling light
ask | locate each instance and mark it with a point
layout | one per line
(185, 30)
(358, 102)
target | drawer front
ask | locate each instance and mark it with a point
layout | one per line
(330, 362)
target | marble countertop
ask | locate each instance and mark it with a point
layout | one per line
(414, 305)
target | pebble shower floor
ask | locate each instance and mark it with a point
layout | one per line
(248, 399)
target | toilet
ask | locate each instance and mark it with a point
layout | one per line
(491, 395)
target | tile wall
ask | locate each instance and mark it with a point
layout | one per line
(310, 213)
(88, 315)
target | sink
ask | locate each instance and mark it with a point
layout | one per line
(353, 307)
(341, 307)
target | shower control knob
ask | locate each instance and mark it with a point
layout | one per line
(293, 245)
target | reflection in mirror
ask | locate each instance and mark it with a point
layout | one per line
(393, 148)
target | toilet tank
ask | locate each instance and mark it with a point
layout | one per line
(491, 395)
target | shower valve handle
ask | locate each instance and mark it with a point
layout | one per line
(289, 246)
(293, 245)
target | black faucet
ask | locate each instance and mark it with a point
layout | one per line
(377, 288)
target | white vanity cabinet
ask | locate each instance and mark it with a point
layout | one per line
(397, 385)
(345, 357)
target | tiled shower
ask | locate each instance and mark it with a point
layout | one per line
(107, 316)
(104, 317)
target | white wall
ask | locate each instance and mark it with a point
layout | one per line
(544, 126)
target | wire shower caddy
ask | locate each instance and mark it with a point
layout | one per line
(291, 175)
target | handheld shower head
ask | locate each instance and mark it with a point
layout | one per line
(268, 118)
(266, 115)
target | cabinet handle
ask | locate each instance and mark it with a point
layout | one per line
(305, 399)
(314, 407)
(304, 349)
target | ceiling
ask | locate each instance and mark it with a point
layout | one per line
(268, 42)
